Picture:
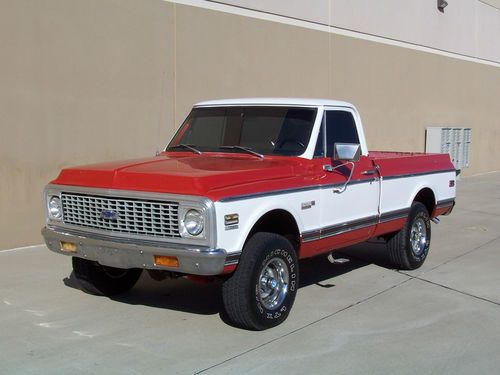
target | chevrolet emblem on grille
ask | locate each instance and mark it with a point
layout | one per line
(109, 215)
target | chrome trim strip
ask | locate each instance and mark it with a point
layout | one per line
(293, 190)
(337, 229)
(408, 175)
(334, 230)
(394, 215)
(311, 235)
(321, 187)
(445, 203)
(267, 194)
(232, 258)
(348, 226)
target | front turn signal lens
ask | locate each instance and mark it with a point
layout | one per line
(166, 261)
(68, 247)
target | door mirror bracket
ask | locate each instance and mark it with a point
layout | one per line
(348, 153)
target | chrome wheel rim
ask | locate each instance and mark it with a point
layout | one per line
(418, 237)
(273, 283)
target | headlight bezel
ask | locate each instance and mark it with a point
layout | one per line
(194, 222)
(50, 198)
(184, 231)
(55, 207)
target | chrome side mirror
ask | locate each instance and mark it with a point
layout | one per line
(346, 151)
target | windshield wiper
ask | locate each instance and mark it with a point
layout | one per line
(189, 147)
(246, 149)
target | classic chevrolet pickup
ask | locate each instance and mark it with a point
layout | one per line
(244, 190)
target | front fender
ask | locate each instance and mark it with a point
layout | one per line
(232, 238)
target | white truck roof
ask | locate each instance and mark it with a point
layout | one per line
(275, 101)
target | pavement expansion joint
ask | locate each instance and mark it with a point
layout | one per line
(479, 212)
(459, 256)
(306, 326)
(456, 290)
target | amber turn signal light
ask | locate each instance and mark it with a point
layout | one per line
(163, 260)
(68, 247)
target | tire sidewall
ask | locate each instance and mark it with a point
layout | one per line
(419, 212)
(283, 250)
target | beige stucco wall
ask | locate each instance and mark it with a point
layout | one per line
(221, 55)
(400, 92)
(469, 27)
(86, 81)
(81, 81)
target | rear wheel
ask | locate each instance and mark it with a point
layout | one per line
(261, 292)
(409, 247)
(103, 280)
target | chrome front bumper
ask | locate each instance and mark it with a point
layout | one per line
(115, 252)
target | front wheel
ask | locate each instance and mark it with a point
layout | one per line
(103, 280)
(261, 292)
(409, 247)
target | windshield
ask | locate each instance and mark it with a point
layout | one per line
(265, 130)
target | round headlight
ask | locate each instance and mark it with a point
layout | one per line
(194, 222)
(55, 208)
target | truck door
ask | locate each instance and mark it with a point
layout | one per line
(350, 215)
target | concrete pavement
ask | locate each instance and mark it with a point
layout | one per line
(356, 317)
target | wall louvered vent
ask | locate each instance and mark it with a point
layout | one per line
(453, 141)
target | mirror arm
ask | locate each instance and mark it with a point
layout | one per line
(343, 188)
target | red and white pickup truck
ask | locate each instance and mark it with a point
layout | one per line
(245, 189)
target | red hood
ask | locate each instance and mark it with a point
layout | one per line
(213, 175)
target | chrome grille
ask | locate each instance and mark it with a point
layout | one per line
(124, 215)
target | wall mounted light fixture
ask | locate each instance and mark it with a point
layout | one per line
(441, 4)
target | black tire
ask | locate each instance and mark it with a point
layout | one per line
(103, 280)
(245, 294)
(416, 231)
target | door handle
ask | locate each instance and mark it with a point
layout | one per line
(369, 172)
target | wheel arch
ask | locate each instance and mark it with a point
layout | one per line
(279, 221)
(427, 197)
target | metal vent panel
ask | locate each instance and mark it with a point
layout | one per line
(122, 215)
(453, 141)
